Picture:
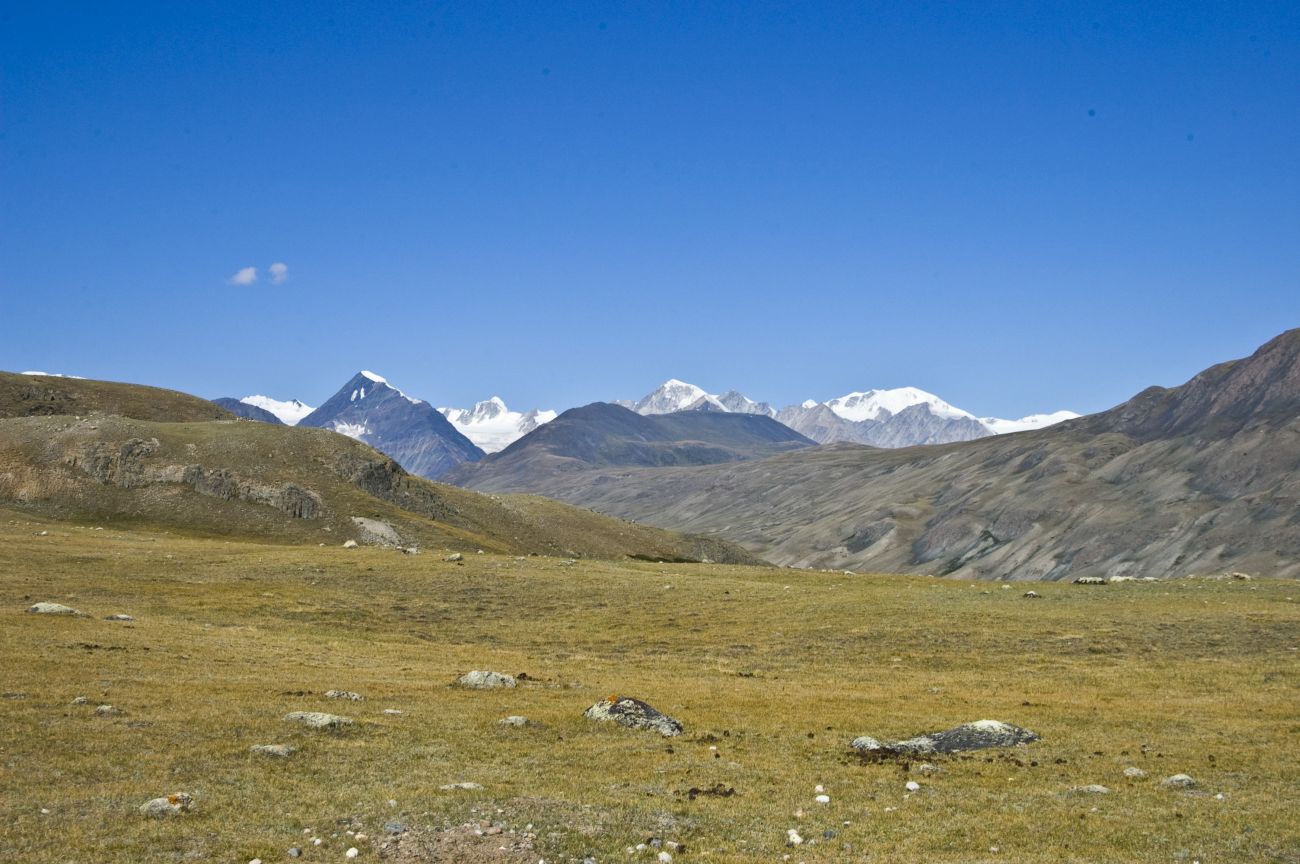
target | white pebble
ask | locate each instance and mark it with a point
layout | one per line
(316, 841)
(819, 788)
(665, 858)
(255, 861)
(823, 799)
(352, 853)
(913, 786)
(792, 837)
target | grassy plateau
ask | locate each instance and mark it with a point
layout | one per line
(771, 671)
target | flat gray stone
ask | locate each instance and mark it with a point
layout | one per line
(482, 680)
(1178, 781)
(318, 719)
(119, 617)
(1134, 772)
(457, 787)
(633, 714)
(52, 609)
(344, 694)
(980, 735)
(276, 751)
(1091, 789)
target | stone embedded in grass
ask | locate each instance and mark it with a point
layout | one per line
(1134, 772)
(517, 720)
(634, 714)
(53, 609)
(318, 719)
(979, 735)
(456, 787)
(344, 694)
(108, 711)
(171, 805)
(482, 680)
(119, 617)
(278, 751)
(455, 556)
(1091, 789)
(1032, 595)
(1090, 580)
(1178, 781)
(349, 544)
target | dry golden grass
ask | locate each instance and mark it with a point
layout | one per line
(776, 669)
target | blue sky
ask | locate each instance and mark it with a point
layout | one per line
(1018, 206)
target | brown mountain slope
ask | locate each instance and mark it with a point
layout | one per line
(253, 480)
(1200, 478)
(44, 395)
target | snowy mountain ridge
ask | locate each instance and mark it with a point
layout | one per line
(493, 426)
(289, 411)
(898, 417)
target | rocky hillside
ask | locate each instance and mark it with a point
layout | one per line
(1200, 478)
(43, 395)
(606, 435)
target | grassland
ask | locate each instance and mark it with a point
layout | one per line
(776, 669)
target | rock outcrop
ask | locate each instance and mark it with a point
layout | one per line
(980, 735)
(634, 714)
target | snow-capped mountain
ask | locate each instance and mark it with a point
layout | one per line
(250, 412)
(52, 375)
(409, 430)
(674, 395)
(900, 417)
(493, 426)
(290, 412)
(1024, 424)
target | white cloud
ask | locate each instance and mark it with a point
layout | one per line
(279, 272)
(246, 276)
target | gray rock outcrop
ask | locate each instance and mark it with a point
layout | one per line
(484, 680)
(633, 714)
(318, 720)
(980, 735)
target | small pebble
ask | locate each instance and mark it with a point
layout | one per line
(913, 786)
(352, 853)
(294, 852)
(823, 799)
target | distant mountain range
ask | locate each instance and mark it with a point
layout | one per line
(902, 417)
(1200, 478)
(603, 434)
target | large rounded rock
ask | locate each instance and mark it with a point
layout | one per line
(52, 609)
(318, 719)
(979, 735)
(170, 805)
(481, 680)
(634, 714)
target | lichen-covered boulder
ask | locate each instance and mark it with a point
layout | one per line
(318, 720)
(979, 735)
(634, 714)
(344, 694)
(170, 805)
(481, 680)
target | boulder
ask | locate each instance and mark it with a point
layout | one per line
(318, 719)
(344, 694)
(455, 556)
(276, 751)
(349, 544)
(979, 735)
(1134, 773)
(1090, 580)
(483, 680)
(633, 714)
(1178, 781)
(170, 805)
(52, 609)
(1092, 789)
